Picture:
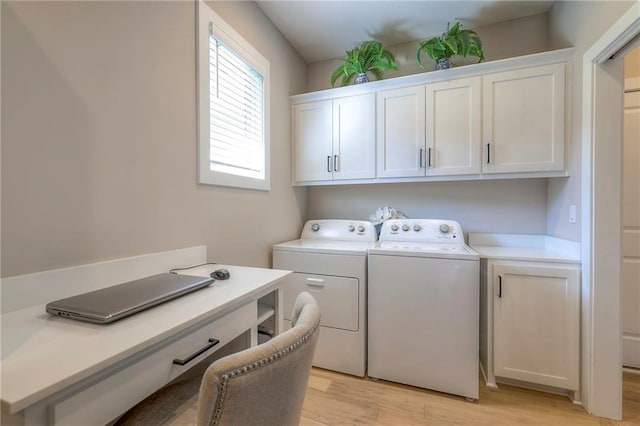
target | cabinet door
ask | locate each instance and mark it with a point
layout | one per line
(453, 135)
(354, 140)
(312, 139)
(523, 120)
(537, 324)
(401, 132)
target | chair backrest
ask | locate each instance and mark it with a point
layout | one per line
(266, 384)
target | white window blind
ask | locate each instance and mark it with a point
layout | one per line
(236, 113)
(233, 107)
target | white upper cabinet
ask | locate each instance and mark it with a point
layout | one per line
(401, 132)
(523, 120)
(453, 120)
(313, 141)
(354, 138)
(431, 130)
(334, 139)
(494, 120)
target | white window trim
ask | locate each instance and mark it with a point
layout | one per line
(205, 18)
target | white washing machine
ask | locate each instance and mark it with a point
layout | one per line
(423, 307)
(330, 261)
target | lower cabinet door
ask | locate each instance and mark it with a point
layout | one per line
(537, 324)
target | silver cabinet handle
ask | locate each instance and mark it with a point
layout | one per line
(335, 163)
(329, 163)
(429, 158)
(420, 154)
(488, 153)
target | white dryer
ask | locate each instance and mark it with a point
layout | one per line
(330, 261)
(424, 306)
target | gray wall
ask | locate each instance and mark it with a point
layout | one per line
(99, 137)
(507, 206)
(578, 24)
(502, 40)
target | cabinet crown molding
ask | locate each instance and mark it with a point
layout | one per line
(544, 58)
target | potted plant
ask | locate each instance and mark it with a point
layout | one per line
(370, 57)
(456, 41)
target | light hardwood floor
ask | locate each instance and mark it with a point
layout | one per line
(338, 399)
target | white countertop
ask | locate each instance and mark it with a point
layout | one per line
(43, 354)
(525, 247)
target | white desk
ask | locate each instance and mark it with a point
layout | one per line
(61, 371)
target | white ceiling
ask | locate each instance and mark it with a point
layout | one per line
(321, 30)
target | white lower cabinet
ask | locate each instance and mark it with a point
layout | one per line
(536, 322)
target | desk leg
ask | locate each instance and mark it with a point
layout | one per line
(254, 335)
(279, 316)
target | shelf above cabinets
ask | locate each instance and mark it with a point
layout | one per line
(496, 120)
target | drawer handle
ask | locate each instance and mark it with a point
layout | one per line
(315, 282)
(212, 343)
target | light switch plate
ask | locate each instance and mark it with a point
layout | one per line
(572, 213)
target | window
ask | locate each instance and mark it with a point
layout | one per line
(233, 90)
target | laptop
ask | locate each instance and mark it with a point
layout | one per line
(110, 304)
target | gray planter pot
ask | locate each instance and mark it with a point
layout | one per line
(443, 64)
(361, 78)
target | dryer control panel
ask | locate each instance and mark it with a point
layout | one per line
(422, 230)
(339, 230)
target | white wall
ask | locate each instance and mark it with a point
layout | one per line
(508, 206)
(99, 137)
(578, 24)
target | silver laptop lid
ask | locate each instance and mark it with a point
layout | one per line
(113, 303)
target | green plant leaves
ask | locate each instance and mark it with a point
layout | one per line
(370, 57)
(456, 41)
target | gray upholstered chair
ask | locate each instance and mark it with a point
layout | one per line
(264, 385)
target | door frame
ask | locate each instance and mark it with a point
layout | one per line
(602, 91)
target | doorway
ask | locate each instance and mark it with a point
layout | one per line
(602, 83)
(631, 237)
(631, 213)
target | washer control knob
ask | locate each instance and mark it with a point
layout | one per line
(351, 228)
(394, 227)
(444, 228)
(405, 227)
(417, 228)
(315, 227)
(360, 228)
